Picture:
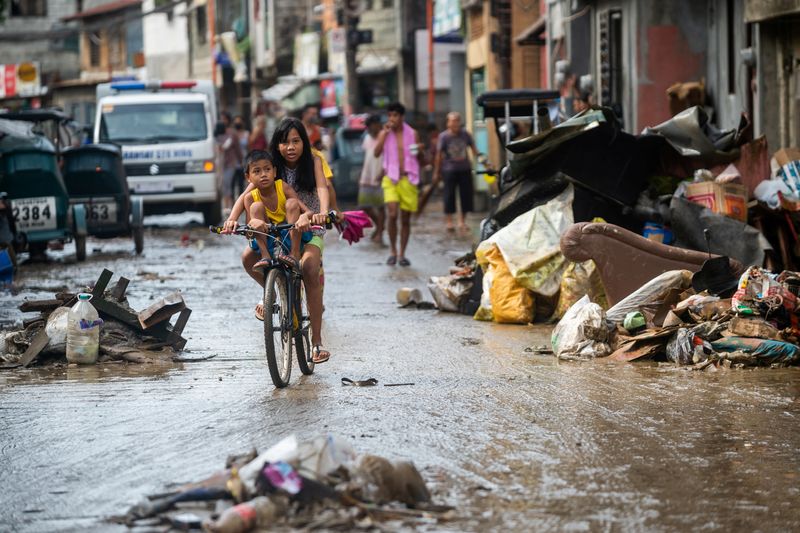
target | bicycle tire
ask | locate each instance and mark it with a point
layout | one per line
(302, 341)
(277, 309)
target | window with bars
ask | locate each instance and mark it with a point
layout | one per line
(476, 26)
(94, 40)
(28, 8)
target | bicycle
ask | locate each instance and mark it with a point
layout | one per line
(286, 319)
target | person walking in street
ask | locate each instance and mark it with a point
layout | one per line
(370, 194)
(231, 154)
(310, 119)
(399, 144)
(243, 135)
(258, 138)
(453, 164)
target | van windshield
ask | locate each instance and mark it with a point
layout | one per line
(153, 123)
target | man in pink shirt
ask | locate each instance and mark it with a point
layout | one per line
(399, 144)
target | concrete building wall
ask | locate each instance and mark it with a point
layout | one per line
(525, 66)
(166, 43)
(59, 59)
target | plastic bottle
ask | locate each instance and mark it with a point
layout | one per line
(83, 331)
(260, 512)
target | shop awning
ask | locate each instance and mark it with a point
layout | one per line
(283, 89)
(760, 10)
(533, 33)
(376, 64)
(104, 9)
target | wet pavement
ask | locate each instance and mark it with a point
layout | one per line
(514, 441)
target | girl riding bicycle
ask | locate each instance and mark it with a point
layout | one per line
(297, 167)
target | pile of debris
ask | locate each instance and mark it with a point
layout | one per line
(320, 484)
(750, 321)
(126, 335)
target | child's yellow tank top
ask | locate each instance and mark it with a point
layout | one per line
(279, 214)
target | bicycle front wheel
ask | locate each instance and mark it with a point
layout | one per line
(278, 328)
(302, 342)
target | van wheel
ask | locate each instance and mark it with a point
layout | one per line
(138, 239)
(212, 213)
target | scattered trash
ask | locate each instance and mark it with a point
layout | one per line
(582, 332)
(758, 326)
(319, 484)
(371, 382)
(104, 325)
(407, 296)
(83, 331)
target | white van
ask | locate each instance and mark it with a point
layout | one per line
(166, 131)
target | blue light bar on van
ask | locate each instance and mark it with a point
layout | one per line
(128, 86)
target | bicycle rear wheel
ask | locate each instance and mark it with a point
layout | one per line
(302, 339)
(278, 328)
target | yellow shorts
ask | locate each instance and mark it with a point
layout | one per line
(402, 192)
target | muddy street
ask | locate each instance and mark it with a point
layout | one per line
(514, 441)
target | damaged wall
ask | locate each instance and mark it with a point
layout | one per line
(670, 47)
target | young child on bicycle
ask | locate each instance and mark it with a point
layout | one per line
(301, 170)
(269, 201)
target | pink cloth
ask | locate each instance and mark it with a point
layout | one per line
(391, 163)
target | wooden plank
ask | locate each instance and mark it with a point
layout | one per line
(161, 310)
(37, 345)
(175, 338)
(28, 322)
(37, 306)
(102, 282)
(118, 292)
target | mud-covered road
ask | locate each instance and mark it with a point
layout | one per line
(514, 441)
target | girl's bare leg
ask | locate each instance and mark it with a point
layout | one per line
(257, 212)
(310, 267)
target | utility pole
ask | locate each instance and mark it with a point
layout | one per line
(350, 77)
(212, 40)
(431, 71)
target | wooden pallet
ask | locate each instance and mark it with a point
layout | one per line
(113, 304)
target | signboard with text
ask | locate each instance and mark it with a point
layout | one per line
(20, 80)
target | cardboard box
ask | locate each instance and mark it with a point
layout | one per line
(729, 199)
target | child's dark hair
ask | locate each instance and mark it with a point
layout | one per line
(256, 155)
(396, 107)
(372, 119)
(306, 180)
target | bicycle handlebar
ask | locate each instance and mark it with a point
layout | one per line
(244, 229)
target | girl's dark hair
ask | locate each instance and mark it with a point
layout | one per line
(257, 155)
(306, 180)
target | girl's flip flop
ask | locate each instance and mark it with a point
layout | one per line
(319, 354)
(261, 315)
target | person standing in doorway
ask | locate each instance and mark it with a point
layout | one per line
(399, 145)
(453, 164)
(370, 194)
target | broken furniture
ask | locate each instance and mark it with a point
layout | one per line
(625, 260)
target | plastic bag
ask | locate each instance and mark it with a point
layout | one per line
(530, 244)
(651, 293)
(582, 332)
(503, 299)
(484, 311)
(579, 280)
(449, 291)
